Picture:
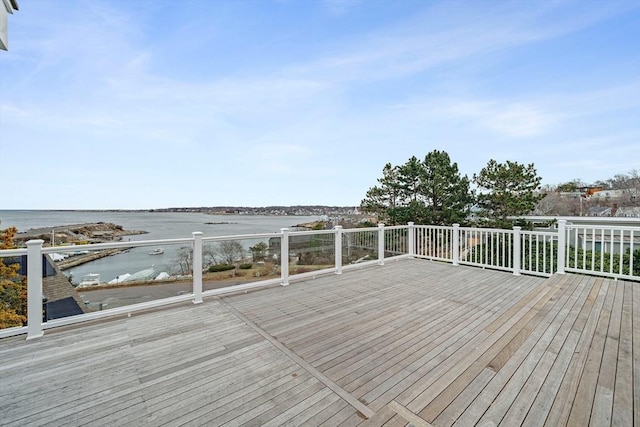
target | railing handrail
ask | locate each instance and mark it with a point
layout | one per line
(311, 232)
(394, 227)
(603, 227)
(241, 237)
(12, 252)
(114, 245)
(495, 230)
(435, 227)
(355, 230)
(539, 232)
(448, 243)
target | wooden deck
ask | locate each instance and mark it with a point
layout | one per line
(410, 343)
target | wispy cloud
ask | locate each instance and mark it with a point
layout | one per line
(423, 43)
(109, 81)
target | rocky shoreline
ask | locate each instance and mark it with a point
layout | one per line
(99, 232)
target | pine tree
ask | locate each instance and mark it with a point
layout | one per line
(447, 193)
(425, 192)
(507, 190)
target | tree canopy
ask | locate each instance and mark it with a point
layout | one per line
(506, 190)
(429, 191)
(432, 191)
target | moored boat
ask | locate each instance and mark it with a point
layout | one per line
(91, 279)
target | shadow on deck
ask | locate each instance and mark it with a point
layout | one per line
(414, 341)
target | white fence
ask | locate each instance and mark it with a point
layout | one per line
(599, 250)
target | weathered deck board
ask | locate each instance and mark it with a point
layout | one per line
(503, 338)
(415, 329)
(583, 403)
(418, 342)
(542, 404)
(623, 399)
(511, 366)
(545, 344)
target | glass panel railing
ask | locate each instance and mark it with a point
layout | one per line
(105, 276)
(236, 261)
(311, 251)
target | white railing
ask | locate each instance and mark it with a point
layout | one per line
(538, 252)
(602, 251)
(488, 248)
(599, 250)
(434, 242)
(610, 251)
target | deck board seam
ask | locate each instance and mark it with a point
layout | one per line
(346, 396)
(408, 415)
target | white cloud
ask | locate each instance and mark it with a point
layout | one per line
(95, 84)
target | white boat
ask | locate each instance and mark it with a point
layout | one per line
(147, 274)
(157, 251)
(163, 276)
(119, 279)
(91, 279)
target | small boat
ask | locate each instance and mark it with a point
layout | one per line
(119, 279)
(142, 275)
(157, 251)
(91, 279)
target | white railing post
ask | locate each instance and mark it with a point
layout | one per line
(562, 244)
(455, 241)
(380, 244)
(338, 250)
(516, 250)
(197, 267)
(34, 289)
(284, 256)
(411, 240)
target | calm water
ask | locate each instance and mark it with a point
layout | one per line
(160, 225)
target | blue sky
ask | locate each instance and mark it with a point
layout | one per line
(149, 104)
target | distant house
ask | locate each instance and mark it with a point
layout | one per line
(599, 211)
(607, 242)
(615, 211)
(614, 194)
(628, 212)
(590, 191)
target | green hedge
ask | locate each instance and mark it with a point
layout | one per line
(220, 267)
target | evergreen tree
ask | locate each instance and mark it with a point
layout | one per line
(447, 193)
(506, 190)
(411, 183)
(425, 192)
(384, 200)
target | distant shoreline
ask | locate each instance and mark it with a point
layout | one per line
(189, 209)
(295, 210)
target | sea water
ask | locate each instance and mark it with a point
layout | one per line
(158, 225)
